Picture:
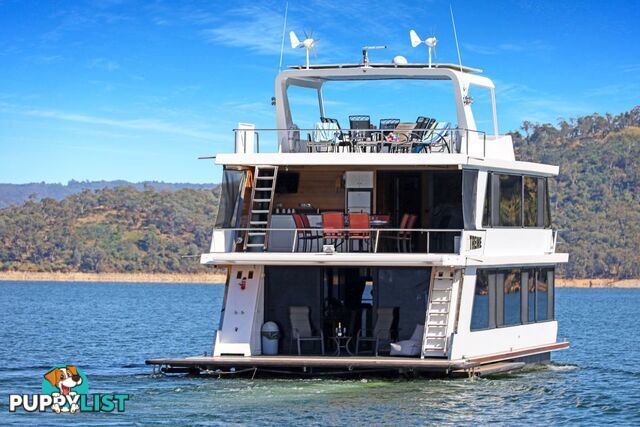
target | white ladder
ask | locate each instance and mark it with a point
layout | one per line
(436, 328)
(262, 192)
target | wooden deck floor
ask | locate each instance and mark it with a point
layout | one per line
(325, 362)
(197, 363)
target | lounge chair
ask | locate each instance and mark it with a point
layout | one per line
(341, 137)
(437, 140)
(301, 328)
(410, 347)
(382, 330)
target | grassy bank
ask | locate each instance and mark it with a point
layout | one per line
(220, 278)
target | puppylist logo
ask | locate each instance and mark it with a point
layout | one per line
(65, 389)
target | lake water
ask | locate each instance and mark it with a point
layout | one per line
(109, 329)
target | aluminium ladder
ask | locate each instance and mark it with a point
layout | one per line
(262, 193)
(437, 325)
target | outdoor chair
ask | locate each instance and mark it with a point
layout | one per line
(360, 224)
(333, 232)
(383, 331)
(341, 137)
(301, 328)
(304, 232)
(410, 347)
(403, 238)
(360, 127)
(437, 140)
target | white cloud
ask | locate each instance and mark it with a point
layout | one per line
(532, 46)
(151, 125)
(104, 64)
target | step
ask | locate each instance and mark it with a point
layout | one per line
(260, 233)
(258, 222)
(260, 211)
(263, 189)
(261, 200)
(438, 313)
(269, 178)
(254, 245)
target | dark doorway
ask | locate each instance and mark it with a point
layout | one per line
(347, 297)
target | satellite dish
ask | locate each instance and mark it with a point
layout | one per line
(429, 42)
(399, 60)
(308, 43)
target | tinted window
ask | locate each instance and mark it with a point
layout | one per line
(530, 202)
(486, 211)
(512, 298)
(480, 314)
(547, 207)
(542, 297)
(531, 298)
(510, 201)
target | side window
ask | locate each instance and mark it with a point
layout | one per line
(480, 313)
(510, 201)
(546, 205)
(512, 298)
(530, 202)
(486, 209)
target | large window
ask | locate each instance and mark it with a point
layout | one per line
(516, 201)
(530, 201)
(480, 314)
(510, 201)
(509, 297)
(512, 299)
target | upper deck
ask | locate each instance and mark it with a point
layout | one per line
(432, 139)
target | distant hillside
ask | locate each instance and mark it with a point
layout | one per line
(110, 230)
(596, 198)
(17, 194)
(596, 204)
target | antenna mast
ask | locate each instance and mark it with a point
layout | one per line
(284, 28)
(455, 34)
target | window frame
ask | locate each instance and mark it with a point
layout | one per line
(495, 292)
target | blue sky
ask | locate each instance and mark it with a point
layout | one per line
(138, 90)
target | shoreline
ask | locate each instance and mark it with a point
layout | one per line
(219, 278)
(22, 276)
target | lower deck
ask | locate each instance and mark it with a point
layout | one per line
(288, 364)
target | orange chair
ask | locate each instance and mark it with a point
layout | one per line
(333, 228)
(360, 224)
(304, 232)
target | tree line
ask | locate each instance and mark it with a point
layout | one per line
(595, 203)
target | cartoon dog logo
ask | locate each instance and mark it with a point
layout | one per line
(64, 379)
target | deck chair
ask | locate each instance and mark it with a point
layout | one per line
(383, 330)
(301, 328)
(438, 138)
(341, 137)
(360, 127)
(403, 132)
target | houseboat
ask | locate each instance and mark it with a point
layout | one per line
(408, 245)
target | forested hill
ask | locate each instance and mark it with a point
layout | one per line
(596, 206)
(596, 198)
(110, 230)
(16, 194)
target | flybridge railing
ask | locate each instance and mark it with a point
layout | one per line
(344, 240)
(331, 140)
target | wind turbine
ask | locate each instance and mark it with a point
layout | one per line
(308, 43)
(429, 42)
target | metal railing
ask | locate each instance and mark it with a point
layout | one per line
(371, 240)
(448, 140)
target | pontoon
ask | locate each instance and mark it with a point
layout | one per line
(401, 244)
